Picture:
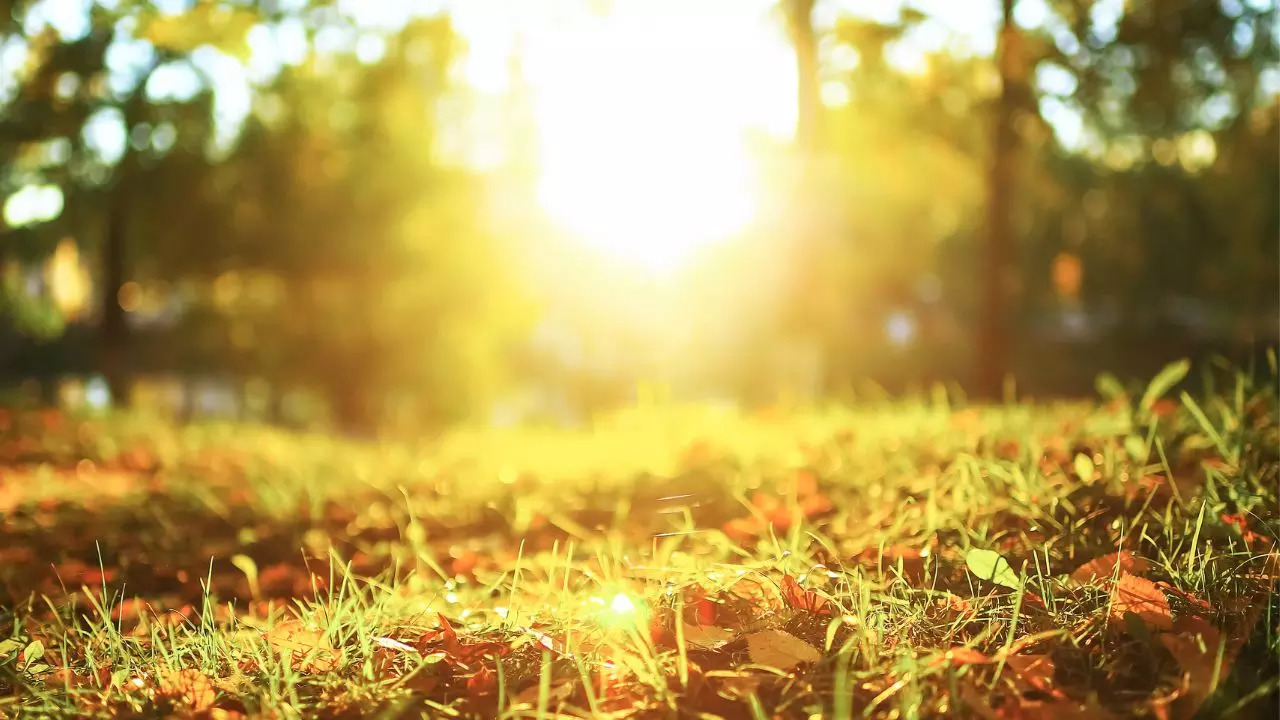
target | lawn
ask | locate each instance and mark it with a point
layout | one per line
(894, 559)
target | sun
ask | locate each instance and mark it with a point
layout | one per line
(644, 118)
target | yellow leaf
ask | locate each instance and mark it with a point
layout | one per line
(304, 645)
(780, 650)
(706, 636)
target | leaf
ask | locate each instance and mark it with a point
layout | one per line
(1136, 447)
(1109, 387)
(1141, 597)
(393, 644)
(246, 565)
(9, 647)
(305, 645)
(33, 652)
(1083, 466)
(557, 694)
(1034, 671)
(959, 656)
(190, 687)
(708, 637)
(798, 598)
(484, 682)
(442, 637)
(991, 566)
(1198, 658)
(1104, 568)
(1164, 407)
(779, 649)
(735, 684)
(1163, 382)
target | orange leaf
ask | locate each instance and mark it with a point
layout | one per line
(190, 687)
(1141, 597)
(960, 656)
(1165, 407)
(742, 529)
(1104, 568)
(472, 654)
(699, 608)
(815, 505)
(1035, 671)
(483, 682)
(443, 637)
(806, 484)
(800, 599)
(465, 563)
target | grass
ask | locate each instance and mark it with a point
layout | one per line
(918, 558)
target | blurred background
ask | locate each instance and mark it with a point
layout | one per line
(397, 214)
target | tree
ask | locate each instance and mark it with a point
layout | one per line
(993, 333)
(361, 267)
(110, 135)
(799, 14)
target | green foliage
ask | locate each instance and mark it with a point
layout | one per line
(1083, 465)
(362, 268)
(34, 316)
(1110, 387)
(207, 23)
(1163, 382)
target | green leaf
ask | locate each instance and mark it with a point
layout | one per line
(1084, 467)
(9, 647)
(31, 653)
(1171, 375)
(991, 566)
(247, 566)
(1136, 447)
(1109, 387)
(1207, 426)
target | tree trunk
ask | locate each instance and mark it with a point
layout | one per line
(115, 330)
(993, 333)
(803, 330)
(800, 25)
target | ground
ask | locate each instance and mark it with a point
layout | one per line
(919, 558)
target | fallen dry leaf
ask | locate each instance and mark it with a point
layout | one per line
(699, 606)
(1251, 539)
(960, 656)
(557, 694)
(303, 645)
(189, 687)
(443, 637)
(393, 644)
(779, 649)
(804, 600)
(1133, 594)
(706, 636)
(1034, 672)
(734, 684)
(1104, 568)
(1051, 710)
(1198, 663)
(484, 682)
